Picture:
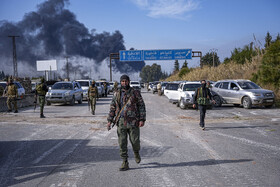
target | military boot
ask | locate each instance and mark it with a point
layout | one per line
(16, 111)
(137, 157)
(124, 166)
(42, 116)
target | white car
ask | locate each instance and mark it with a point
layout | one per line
(21, 90)
(171, 92)
(186, 91)
(135, 85)
(100, 88)
(85, 86)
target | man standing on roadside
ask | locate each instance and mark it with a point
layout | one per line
(12, 94)
(202, 97)
(92, 95)
(41, 91)
(128, 112)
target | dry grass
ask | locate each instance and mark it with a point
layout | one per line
(227, 71)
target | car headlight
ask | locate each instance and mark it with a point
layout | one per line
(257, 94)
(49, 93)
(66, 94)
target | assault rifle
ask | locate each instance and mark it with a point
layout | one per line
(116, 119)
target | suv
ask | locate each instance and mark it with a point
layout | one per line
(136, 85)
(186, 91)
(63, 92)
(85, 85)
(242, 92)
(171, 92)
(21, 90)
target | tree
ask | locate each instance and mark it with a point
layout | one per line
(176, 66)
(269, 72)
(151, 73)
(208, 59)
(268, 40)
(185, 65)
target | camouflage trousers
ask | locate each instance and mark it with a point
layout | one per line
(92, 101)
(42, 103)
(134, 137)
(11, 100)
(159, 92)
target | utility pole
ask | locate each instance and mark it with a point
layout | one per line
(14, 55)
(213, 51)
(67, 68)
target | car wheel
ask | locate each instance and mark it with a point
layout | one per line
(48, 103)
(247, 103)
(153, 92)
(81, 100)
(182, 106)
(72, 102)
(218, 101)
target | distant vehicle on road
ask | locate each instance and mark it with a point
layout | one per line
(100, 88)
(186, 91)
(171, 92)
(85, 85)
(21, 90)
(242, 92)
(135, 85)
(154, 88)
(65, 92)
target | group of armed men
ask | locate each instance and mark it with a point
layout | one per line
(127, 111)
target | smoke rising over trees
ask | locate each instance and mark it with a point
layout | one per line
(53, 32)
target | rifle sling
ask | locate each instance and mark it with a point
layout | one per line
(117, 118)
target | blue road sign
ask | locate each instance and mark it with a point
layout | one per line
(168, 54)
(132, 55)
(172, 54)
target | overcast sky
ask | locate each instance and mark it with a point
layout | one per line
(171, 24)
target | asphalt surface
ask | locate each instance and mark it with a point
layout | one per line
(71, 147)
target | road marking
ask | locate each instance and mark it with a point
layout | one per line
(250, 142)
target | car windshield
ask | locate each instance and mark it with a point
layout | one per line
(97, 83)
(190, 87)
(84, 83)
(62, 86)
(133, 82)
(248, 85)
(172, 86)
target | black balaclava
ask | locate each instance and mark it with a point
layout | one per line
(203, 85)
(126, 78)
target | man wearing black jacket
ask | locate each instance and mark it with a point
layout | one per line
(202, 98)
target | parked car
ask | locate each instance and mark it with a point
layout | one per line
(242, 92)
(100, 88)
(85, 86)
(135, 85)
(186, 91)
(154, 88)
(171, 92)
(21, 90)
(65, 92)
(163, 85)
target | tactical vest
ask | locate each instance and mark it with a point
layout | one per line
(12, 90)
(93, 91)
(40, 90)
(202, 100)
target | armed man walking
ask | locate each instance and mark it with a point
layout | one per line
(41, 91)
(92, 95)
(105, 88)
(128, 112)
(202, 97)
(12, 94)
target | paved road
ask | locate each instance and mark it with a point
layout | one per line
(73, 148)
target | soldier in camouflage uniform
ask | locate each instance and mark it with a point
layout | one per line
(92, 95)
(41, 90)
(12, 94)
(130, 119)
(105, 88)
(202, 97)
(115, 86)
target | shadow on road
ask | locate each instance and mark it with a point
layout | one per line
(23, 161)
(194, 163)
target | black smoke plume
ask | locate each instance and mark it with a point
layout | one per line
(53, 32)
